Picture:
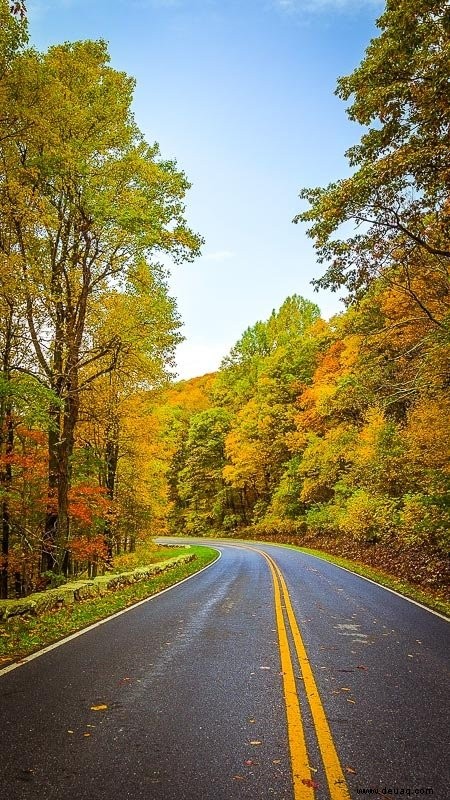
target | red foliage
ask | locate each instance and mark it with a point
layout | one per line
(84, 548)
(87, 503)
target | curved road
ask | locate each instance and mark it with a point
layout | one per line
(282, 678)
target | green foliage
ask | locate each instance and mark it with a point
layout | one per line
(423, 518)
(201, 484)
(323, 519)
(368, 517)
(396, 200)
(88, 209)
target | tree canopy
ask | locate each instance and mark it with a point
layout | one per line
(396, 199)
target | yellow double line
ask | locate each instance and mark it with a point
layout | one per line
(301, 772)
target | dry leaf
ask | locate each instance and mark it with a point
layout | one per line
(309, 782)
(350, 770)
(101, 707)
(255, 741)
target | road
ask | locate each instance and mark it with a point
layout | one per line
(281, 678)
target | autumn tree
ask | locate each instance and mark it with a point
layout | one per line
(89, 200)
(201, 482)
(115, 416)
(397, 198)
(259, 381)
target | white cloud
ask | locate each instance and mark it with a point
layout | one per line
(219, 255)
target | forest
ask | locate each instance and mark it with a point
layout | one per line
(330, 433)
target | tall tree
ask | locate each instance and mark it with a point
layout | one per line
(89, 199)
(397, 199)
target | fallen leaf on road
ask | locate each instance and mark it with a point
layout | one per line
(255, 741)
(86, 734)
(238, 778)
(350, 701)
(345, 689)
(361, 666)
(276, 761)
(350, 770)
(101, 707)
(69, 731)
(309, 782)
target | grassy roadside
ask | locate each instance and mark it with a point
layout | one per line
(21, 636)
(402, 587)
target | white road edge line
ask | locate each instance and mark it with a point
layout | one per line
(380, 585)
(386, 588)
(53, 646)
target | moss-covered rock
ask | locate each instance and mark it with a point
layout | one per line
(70, 593)
(12, 608)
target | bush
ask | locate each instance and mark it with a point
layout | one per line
(425, 520)
(277, 530)
(369, 517)
(322, 520)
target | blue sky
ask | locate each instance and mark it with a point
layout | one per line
(242, 95)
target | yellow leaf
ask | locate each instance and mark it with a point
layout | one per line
(101, 707)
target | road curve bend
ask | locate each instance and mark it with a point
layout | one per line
(272, 674)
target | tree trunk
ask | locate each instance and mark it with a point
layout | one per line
(111, 460)
(6, 480)
(48, 558)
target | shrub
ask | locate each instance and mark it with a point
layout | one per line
(368, 517)
(425, 519)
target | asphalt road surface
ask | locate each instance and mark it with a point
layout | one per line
(257, 678)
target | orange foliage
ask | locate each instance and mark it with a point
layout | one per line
(86, 503)
(85, 548)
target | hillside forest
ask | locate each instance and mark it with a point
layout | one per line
(329, 433)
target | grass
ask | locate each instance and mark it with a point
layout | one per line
(21, 636)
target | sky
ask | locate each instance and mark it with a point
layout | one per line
(241, 94)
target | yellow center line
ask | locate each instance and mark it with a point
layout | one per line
(296, 736)
(333, 770)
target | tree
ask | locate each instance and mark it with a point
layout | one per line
(398, 195)
(201, 483)
(89, 201)
(18, 9)
(148, 323)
